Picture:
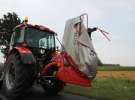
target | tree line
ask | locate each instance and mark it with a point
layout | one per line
(7, 24)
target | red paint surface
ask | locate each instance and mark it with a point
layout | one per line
(68, 74)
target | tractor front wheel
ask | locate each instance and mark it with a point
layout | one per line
(53, 85)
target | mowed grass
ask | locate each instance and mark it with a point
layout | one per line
(106, 89)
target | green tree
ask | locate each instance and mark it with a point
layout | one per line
(7, 24)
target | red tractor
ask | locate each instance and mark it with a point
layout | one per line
(32, 57)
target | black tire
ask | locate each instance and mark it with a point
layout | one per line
(18, 77)
(1, 74)
(1, 81)
(54, 85)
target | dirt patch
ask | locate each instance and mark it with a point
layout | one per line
(117, 74)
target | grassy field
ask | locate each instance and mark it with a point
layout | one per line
(107, 88)
(115, 68)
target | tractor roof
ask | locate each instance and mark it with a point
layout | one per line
(38, 27)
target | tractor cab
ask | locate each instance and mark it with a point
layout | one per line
(38, 39)
(33, 37)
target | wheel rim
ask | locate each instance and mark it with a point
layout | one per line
(10, 76)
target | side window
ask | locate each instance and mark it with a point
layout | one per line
(17, 35)
(47, 42)
(12, 39)
(43, 43)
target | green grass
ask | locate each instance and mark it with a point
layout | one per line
(115, 68)
(106, 89)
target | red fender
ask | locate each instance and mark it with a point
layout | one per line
(23, 50)
(26, 55)
(46, 68)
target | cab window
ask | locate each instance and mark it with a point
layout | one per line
(18, 36)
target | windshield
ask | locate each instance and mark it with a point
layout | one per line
(39, 39)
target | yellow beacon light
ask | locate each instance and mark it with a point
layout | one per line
(25, 20)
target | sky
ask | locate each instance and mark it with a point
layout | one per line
(115, 16)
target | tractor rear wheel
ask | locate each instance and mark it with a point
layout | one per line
(18, 77)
